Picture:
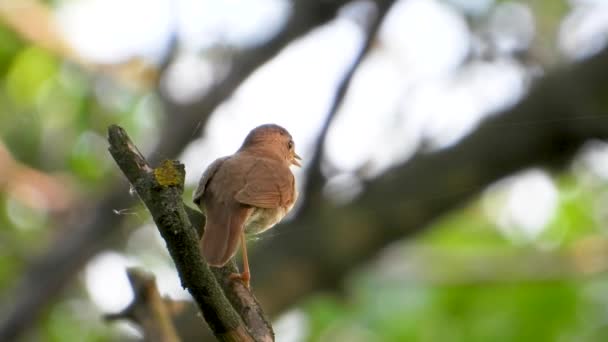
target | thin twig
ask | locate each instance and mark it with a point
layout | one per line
(315, 177)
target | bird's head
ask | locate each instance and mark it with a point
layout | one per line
(273, 140)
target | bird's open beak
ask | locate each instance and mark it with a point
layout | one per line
(295, 159)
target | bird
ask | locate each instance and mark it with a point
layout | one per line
(247, 192)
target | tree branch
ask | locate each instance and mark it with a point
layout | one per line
(161, 191)
(147, 309)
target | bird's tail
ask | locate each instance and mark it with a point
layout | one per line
(221, 237)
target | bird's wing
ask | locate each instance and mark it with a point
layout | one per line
(205, 178)
(222, 231)
(268, 184)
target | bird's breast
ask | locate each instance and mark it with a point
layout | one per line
(264, 218)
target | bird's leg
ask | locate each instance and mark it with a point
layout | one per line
(245, 275)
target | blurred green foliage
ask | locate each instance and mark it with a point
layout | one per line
(467, 282)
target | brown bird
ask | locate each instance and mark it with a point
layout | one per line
(247, 192)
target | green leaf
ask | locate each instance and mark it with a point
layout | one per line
(31, 68)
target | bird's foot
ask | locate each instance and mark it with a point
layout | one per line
(243, 277)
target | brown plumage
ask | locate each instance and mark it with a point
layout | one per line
(247, 192)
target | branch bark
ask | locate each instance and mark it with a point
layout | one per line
(161, 190)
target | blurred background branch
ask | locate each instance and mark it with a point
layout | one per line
(371, 24)
(147, 309)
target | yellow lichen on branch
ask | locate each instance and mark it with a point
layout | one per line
(170, 173)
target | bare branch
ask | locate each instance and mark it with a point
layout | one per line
(147, 309)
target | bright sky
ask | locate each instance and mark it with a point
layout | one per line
(411, 88)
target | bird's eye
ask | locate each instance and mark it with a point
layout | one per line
(290, 144)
